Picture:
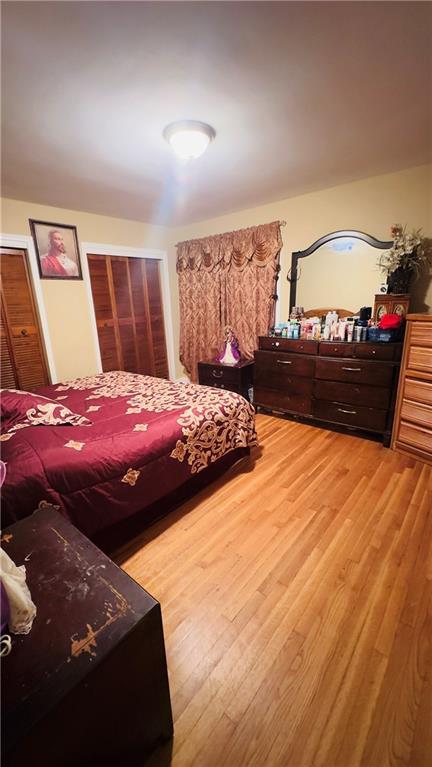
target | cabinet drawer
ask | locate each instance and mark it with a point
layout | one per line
(350, 415)
(227, 386)
(289, 384)
(209, 374)
(419, 391)
(420, 359)
(273, 368)
(278, 400)
(287, 344)
(363, 350)
(369, 351)
(361, 394)
(354, 371)
(336, 349)
(415, 436)
(417, 412)
(421, 334)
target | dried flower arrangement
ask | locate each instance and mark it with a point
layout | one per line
(410, 252)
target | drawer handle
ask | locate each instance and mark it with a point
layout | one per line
(284, 362)
(275, 343)
(24, 332)
(351, 412)
(217, 373)
(352, 370)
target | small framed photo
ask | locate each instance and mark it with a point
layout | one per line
(57, 250)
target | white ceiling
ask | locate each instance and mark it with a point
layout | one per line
(302, 96)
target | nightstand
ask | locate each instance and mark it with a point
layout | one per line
(238, 378)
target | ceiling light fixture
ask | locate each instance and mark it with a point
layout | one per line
(189, 138)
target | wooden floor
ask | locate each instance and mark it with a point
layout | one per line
(296, 598)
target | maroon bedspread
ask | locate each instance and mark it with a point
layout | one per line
(147, 437)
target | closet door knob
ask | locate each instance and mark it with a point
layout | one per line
(24, 332)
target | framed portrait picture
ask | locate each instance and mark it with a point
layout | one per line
(57, 250)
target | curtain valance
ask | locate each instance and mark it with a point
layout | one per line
(259, 245)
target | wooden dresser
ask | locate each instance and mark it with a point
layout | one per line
(347, 385)
(412, 431)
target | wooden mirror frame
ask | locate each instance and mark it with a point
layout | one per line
(296, 255)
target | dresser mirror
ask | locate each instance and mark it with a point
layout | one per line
(337, 270)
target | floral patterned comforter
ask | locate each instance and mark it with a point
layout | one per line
(147, 436)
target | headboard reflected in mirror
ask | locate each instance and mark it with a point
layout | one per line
(339, 269)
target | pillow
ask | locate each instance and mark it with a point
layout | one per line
(22, 408)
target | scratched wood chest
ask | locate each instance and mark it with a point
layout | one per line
(88, 684)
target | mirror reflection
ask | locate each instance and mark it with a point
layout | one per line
(341, 272)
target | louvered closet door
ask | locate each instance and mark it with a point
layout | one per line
(22, 352)
(101, 283)
(157, 319)
(129, 314)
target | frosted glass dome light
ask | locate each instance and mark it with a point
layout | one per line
(189, 138)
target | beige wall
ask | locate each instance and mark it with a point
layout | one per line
(66, 303)
(370, 205)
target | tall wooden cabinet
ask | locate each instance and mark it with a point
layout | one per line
(23, 363)
(128, 305)
(412, 433)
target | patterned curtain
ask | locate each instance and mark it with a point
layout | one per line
(226, 279)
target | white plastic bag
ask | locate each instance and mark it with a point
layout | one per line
(22, 609)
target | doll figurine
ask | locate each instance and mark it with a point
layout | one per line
(230, 354)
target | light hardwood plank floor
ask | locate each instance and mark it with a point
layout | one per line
(296, 596)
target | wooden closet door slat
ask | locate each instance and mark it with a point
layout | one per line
(142, 316)
(119, 268)
(8, 379)
(127, 339)
(20, 315)
(157, 318)
(125, 315)
(105, 322)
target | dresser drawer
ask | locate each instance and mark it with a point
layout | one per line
(421, 334)
(355, 394)
(420, 358)
(369, 351)
(287, 344)
(354, 371)
(363, 350)
(415, 436)
(227, 386)
(282, 401)
(289, 384)
(419, 391)
(335, 349)
(209, 374)
(273, 368)
(417, 412)
(350, 415)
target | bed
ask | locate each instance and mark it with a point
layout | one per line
(101, 449)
